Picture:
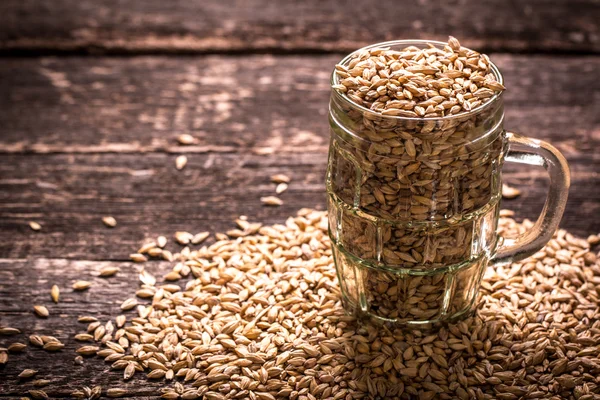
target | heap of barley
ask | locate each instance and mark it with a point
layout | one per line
(261, 318)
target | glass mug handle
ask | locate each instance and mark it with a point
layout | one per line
(529, 151)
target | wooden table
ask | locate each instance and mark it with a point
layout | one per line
(93, 95)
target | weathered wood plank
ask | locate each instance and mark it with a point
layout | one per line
(25, 283)
(314, 25)
(69, 194)
(246, 103)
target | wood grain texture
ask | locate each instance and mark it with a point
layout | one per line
(25, 283)
(244, 103)
(69, 194)
(145, 26)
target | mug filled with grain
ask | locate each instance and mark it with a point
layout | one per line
(414, 180)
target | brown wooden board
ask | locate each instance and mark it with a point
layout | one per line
(245, 103)
(143, 26)
(68, 194)
(26, 283)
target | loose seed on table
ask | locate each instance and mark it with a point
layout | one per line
(181, 162)
(35, 226)
(8, 331)
(109, 221)
(186, 139)
(161, 241)
(27, 373)
(280, 178)
(271, 201)
(280, 319)
(200, 237)
(41, 311)
(38, 394)
(509, 192)
(17, 347)
(55, 293)
(282, 187)
(108, 271)
(81, 285)
(137, 257)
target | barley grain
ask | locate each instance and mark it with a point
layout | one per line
(38, 394)
(116, 392)
(137, 257)
(81, 285)
(55, 293)
(161, 241)
(9, 331)
(17, 347)
(186, 139)
(509, 192)
(271, 201)
(35, 226)
(27, 373)
(87, 350)
(108, 271)
(41, 311)
(109, 221)
(181, 162)
(200, 237)
(282, 187)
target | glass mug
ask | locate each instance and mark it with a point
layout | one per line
(414, 205)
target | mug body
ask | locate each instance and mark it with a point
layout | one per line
(413, 206)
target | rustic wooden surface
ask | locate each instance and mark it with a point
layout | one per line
(175, 26)
(83, 137)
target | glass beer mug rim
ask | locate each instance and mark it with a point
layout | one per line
(406, 43)
(479, 142)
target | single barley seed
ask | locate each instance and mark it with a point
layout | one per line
(109, 221)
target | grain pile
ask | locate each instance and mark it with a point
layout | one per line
(261, 318)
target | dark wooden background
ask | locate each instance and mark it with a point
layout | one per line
(93, 95)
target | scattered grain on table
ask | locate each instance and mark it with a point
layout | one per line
(108, 271)
(161, 241)
(41, 311)
(27, 373)
(109, 221)
(181, 162)
(509, 192)
(8, 331)
(183, 237)
(38, 394)
(35, 226)
(83, 337)
(280, 178)
(282, 187)
(138, 258)
(186, 139)
(279, 319)
(55, 293)
(200, 237)
(81, 285)
(271, 201)
(116, 392)
(17, 347)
